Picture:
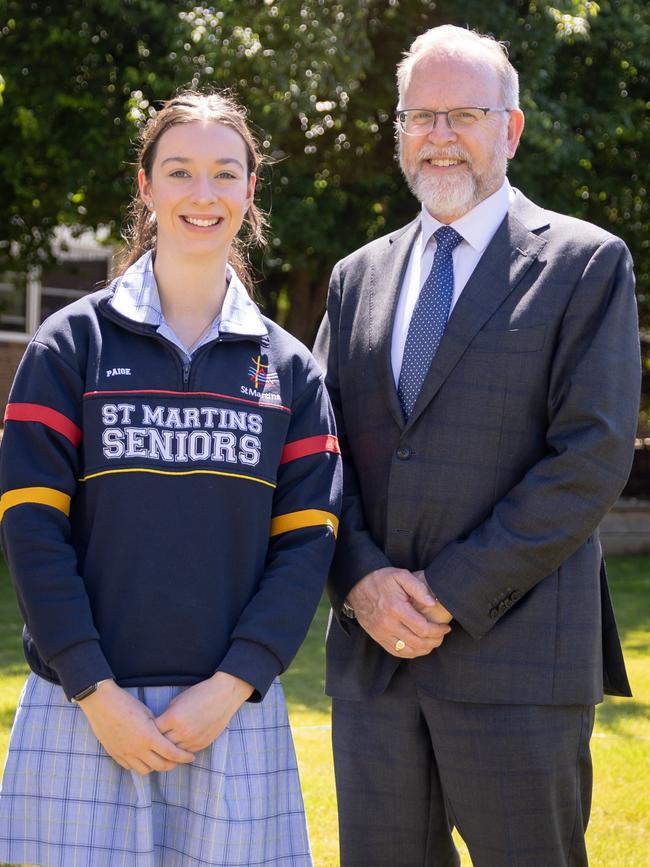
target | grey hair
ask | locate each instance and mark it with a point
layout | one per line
(451, 41)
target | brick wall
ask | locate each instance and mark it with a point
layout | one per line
(10, 355)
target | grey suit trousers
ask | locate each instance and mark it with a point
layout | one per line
(516, 780)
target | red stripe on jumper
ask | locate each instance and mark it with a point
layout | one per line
(47, 416)
(309, 446)
(265, 403)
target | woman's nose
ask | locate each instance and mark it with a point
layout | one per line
(203, 189)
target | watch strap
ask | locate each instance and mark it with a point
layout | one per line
(89, 690)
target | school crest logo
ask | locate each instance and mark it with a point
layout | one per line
(260, 372)
(264, 380)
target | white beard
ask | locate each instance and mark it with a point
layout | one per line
(445, 195)
(459, 193)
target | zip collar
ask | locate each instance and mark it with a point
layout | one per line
(135, 297)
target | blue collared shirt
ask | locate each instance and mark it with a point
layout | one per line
(137, 297)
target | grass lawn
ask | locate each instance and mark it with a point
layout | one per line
(619, 830)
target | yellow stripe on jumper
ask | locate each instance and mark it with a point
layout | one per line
(304, 518)
(179, 473)
(35, 496)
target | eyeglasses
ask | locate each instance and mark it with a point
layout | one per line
(420, 121)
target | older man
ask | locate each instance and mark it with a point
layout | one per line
(484, 365)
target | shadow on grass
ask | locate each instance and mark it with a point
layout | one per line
(629, 582)
(616, 718)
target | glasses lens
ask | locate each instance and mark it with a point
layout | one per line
(462, 117)
(416, 122)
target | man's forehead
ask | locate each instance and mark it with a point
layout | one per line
(469, 72)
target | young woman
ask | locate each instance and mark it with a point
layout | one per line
(170, 483)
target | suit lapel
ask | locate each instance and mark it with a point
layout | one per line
(506, 260)
(386, 276)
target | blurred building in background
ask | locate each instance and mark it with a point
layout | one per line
(82, 264)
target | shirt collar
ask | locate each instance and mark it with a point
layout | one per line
(137, 298)
(136, 293)
(478, 225)
(239, 313)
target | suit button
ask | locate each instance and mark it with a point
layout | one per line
(404, 453)
(515, 595)
(502, 606)
(493, 613)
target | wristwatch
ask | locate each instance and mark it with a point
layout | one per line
(348, 610)
(89, 690)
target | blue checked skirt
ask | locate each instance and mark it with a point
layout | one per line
(65, 803)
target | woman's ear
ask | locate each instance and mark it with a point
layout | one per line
(252, 180)
(144, 187)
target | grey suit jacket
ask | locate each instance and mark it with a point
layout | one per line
(520, 441)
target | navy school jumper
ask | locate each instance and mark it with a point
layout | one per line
(163, 520)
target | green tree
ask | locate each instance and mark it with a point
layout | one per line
(72, 74)
(318, 79)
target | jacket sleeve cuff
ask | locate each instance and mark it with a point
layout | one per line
(253, 663)
(79, 666)
(461, 591)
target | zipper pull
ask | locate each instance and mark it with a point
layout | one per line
(186, 372)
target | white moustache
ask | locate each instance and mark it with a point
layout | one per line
(427, 152)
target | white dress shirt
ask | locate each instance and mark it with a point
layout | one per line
(477, 228)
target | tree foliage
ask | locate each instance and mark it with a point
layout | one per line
(318, 79)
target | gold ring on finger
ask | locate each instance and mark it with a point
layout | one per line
(399, 645)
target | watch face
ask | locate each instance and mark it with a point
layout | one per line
(80, 696)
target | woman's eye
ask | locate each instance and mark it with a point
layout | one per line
(179, 173)
(228, 176)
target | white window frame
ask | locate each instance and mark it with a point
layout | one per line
(67, 248)
(32, 310)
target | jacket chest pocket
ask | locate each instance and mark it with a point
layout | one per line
(514, 340)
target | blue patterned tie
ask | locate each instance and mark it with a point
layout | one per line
(428, 320)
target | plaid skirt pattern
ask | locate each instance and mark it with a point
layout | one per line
(65, 803)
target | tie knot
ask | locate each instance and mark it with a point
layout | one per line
(447, 238)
